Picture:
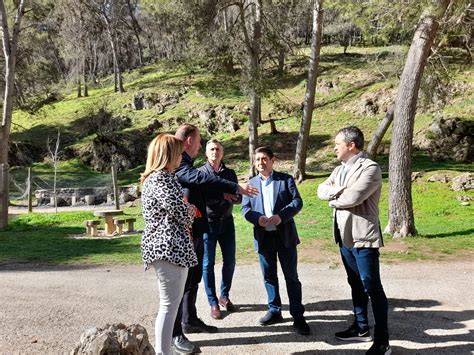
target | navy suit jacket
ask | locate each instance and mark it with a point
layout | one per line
(287, 203)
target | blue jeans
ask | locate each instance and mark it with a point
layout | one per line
(222, 232)
(363, 275)
(273, 248)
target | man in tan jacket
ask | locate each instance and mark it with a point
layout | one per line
(353, 191)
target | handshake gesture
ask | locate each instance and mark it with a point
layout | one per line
(265, 221)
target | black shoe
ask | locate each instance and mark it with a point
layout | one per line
(354, 334)
(301, 326)
(270, 318)
(198, 326)
(379, 348)
(182, 345)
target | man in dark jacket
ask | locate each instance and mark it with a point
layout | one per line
(276, 237)
(195, 183)
(221, 230)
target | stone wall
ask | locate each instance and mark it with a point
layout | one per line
(86, 195)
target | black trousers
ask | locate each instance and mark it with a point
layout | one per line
(187, 312)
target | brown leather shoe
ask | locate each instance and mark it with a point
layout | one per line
(227, 304)
(215, 312)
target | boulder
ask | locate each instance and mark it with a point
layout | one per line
(115, 339)
(451, 138)
(439, 178)
(463, 182)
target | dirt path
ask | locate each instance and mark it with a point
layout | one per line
(45, 310)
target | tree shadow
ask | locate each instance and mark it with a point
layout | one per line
(450, 234)
(414, 321)
(27, 244)
(421, 161)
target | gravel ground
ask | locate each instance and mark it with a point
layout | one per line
(45, 309)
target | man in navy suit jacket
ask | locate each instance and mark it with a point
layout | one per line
(271, 212)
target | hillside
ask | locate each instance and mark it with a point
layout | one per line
(355, 88)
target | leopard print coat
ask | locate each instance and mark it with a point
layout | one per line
(168, 220)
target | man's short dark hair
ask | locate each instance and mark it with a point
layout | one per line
(185, 131)
(353, 134)
(215, 141)
(265, 150)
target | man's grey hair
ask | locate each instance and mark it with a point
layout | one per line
(215, 141)
(353, 134)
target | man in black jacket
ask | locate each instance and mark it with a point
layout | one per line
(195, 183)
(221, 230)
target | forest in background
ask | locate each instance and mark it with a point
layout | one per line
(88, 45)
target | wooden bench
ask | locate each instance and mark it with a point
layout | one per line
(119, 222)
(91, 227)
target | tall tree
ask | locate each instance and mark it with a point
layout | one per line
(10, 46)
(252, 41)
(302, 143)
(401, 219)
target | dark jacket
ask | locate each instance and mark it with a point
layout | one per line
(287, 203)
(217, 207)
(195, 184)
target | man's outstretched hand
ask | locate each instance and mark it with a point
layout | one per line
(248, 190)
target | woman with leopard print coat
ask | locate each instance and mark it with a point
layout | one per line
(166, 242)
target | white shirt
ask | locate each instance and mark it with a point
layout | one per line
(267, 195)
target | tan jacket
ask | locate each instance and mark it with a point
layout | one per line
(356, 211)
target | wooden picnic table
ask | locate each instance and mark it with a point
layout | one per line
(108, 215)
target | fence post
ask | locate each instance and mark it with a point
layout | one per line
(115, 187)
(30, 192)
(4, 200)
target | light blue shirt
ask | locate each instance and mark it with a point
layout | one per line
(267, 195)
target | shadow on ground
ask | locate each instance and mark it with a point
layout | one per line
(414, 321)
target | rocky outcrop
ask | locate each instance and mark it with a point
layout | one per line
(217, 118)
(23, 154)
(115, 339)
(124, 150)
(157, 101)
(101, 122)
(450, 139)
(372, 103)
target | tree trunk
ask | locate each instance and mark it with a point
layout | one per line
(9, 51)
(118, 84)
(380, 133)
(252, 45)
(84, 75)
(78, 76)
(299, 171)
(401, 219)
(136, 30)
(281, 61)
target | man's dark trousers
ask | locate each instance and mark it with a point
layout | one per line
(273, 248)
(363, 275)
(188, 303)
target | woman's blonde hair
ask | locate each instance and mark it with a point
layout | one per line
(163, 151)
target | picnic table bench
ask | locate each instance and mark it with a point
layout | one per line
(108, 215)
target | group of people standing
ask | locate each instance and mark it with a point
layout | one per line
(188, 211)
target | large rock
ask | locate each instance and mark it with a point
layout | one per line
(451, 138)
(463, 182)
(115, 339)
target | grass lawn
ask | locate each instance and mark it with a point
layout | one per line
(445, 231)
